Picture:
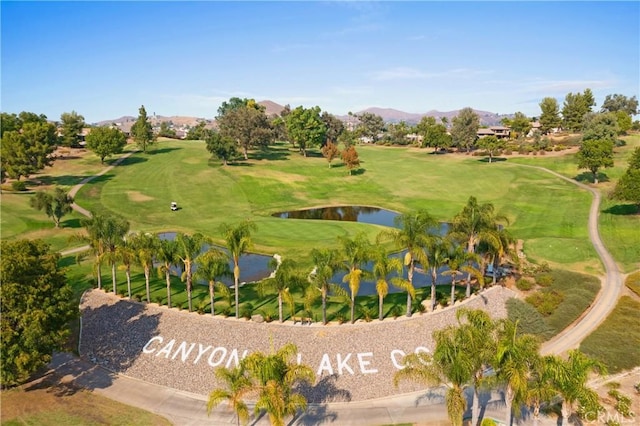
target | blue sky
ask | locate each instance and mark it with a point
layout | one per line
(105, 59)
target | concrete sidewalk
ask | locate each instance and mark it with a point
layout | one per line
(188, 409)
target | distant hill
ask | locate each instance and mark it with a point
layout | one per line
(390, 115)
(271, 108)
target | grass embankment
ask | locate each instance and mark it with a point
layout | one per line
(633, 282)
(556, 300)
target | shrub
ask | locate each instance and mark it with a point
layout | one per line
(268, 315)
(545, 301)
(158, 300)
(367, 313)
(529, 320)
(247, 311)
(524, 284)
(420, 307)
(18, 185)
(202, 307)
(226, 311)
(178, 306)
(396, 311)
(138, 297)
(544, 279)
(341, 318)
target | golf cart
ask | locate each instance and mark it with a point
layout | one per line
(174, 206)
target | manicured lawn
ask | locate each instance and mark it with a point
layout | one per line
(548, 213)
(616, 341)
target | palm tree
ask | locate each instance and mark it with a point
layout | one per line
(540, 388)
(460, 261)
(283, 279)
(189, 247)
(127, 255)
(383, 266)
(212, 265)
(478, 334)
(145, 246)
(476, 223)
(95, 226)
(436, 255)
(514, 360)
(167, 254)
(238, 240)
(237, 385)
(276, 376)
(357, 252)
(450, 365)
(570, 379)
(413, 233)
(326, 262)
(115, 228)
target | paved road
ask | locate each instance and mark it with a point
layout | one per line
(183, 408)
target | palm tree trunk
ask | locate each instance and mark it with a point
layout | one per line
(113, 277)
(236, 278)
(380, 307)
(536, 414)
(508, 399)
(353, 308)
(565, 410)
(99, 271)
(146, 281)
(475, 410)
(324, 306)
(410, 279)
(433, 289)
(128, 273)
(212, 297)
(168, 280)
(453, 291)
(280, 307)
(189, 285)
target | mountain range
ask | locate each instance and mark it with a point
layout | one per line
(389, 115)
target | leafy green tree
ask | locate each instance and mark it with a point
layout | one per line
(248, 126)
(106, 141)
(413, 232)
(167, 255)
(370, 126)
(330, 151)
(238, 241)
(357, 252)
(31, 117)
(520, 124)
(350, 158)
(198, 132)
(550, 115)
(601, 126)
(276, 376)
(628, 186)
(212, 265)
(595, 154)
(305, 127)
(492, 145)
(575, 107)
(55, 205)
(624, 122)
(450, 365)
(9, 123)
(397, 133)
(146, 247)
(189, 249)
(514, 362)
(433, 135)
(570, 377)
(325, 262)
(465, 128)
(237, 384)
(221, 147)
(283, 280)
(72, 124)
(617, 102)
(236, 103)
(142, 131)
(37, 306)
(383, 266)
(333, 125)
(29, 150)
(166, 131)
(348, 138)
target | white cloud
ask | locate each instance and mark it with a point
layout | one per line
(406, 73)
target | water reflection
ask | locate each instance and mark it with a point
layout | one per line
(363, 214)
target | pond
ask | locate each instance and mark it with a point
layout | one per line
(363, 214)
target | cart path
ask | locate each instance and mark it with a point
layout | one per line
(610, 290)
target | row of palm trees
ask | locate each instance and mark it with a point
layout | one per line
(474, 239)
(483, 353)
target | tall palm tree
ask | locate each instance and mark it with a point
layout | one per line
(450, 365)
(238, 240)
(356, 252)
(383, 266)
(325, 261)
(540, 388)
(475, 223)
(237, 384)
(189, 247)
(460, 261)
(115, 228)
(413, 233)
(478, 332)
(145, 246)
(437, 256)
(285, 278)
(276, 376)
(211, 265)
(95, 237)
(167, 254)
(127, 255)
(570, 379)
(514, 361)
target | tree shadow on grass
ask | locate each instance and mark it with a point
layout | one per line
(162, 150)
(71, 223)
(623, 210)
(587, 177)
(132, 160)
(270, 155)
(358, 172)
(493, 160)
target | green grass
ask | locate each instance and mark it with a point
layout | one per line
(616, 341)
(633, 282)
